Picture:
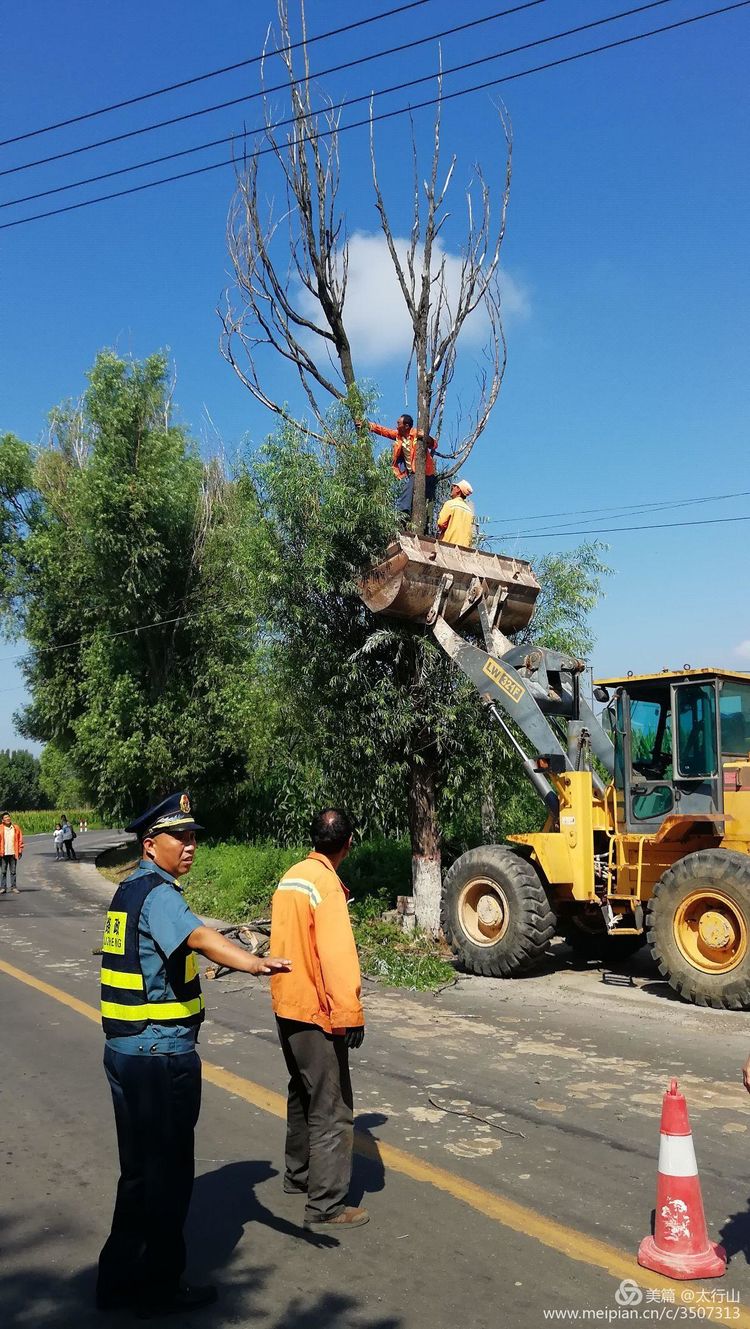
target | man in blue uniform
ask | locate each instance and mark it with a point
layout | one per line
(152, 1008)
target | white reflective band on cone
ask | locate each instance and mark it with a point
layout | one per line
(677, 1156)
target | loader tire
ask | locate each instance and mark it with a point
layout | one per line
(495, 912)
(587, 936)
(698, 927)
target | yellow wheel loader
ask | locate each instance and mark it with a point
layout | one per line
(648, 807)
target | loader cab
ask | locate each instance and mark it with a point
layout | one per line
(672, 735)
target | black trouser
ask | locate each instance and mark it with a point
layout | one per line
(320, 1117)
(157, 1101)
(69, 850)
(8, 868)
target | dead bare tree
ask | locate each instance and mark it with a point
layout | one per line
(291, 266)
(439, 314)
(291, 269)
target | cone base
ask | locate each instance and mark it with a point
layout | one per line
(710, 1263)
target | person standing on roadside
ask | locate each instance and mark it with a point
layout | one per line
(12, 849)
(58, 839)
(68, 836)
(319, 1016)
(152, 1008)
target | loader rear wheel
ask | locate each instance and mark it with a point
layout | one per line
(495, 912)
(698, 928)
(585, 933)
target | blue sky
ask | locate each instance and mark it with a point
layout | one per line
(625, 261)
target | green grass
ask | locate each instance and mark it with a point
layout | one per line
(42, 823)
(235, 882)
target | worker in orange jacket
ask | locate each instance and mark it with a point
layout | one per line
(319, 1017)
(404, 460)
(11, 849)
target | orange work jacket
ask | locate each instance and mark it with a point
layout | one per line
(17, 838)
(401, 464)
(310, 926)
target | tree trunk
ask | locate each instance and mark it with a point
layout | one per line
(425, 840)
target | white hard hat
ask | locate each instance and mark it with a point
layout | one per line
(465, 487)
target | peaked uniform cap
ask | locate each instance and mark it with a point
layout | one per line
(174, 813)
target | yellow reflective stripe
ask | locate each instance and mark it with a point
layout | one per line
(303, 887)
(153, 1010)
(115, 979)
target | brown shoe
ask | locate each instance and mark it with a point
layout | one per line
(348, 1217)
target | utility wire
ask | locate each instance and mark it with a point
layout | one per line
(212, 73)
(280, 124)
(629, 507)
(615, 530)
(386, 115)
(281, 87)
(107, 636)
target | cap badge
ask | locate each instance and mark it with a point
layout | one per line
(184, 803)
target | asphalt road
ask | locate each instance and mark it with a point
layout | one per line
(508, 1135)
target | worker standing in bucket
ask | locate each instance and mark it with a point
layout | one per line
(456, 517)
(404, 460)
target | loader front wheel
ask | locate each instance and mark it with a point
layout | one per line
(698, 926)
(495, 913)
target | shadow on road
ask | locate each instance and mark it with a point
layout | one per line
(735, 1234)
(368, 1172)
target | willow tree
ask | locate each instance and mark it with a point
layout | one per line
(287, 307)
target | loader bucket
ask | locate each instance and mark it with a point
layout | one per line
(405, 583)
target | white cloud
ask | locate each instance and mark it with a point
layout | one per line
(742, 650)
(375, 314)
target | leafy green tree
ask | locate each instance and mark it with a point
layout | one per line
(377, 716)
(122, 578)
(19, 780)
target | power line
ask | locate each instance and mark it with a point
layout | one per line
(615, 530)
(386, 115)
(621, 510)
(280, 124)
(107, 636)
(281, 87)
(213, 73)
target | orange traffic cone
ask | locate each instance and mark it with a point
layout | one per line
(680, 1247)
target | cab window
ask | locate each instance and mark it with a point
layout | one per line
(734, 710)
(651, 736)
(696, 729)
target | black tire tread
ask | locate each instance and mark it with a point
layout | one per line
(721, 992)
(537, 919)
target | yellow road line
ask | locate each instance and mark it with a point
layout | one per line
(506, 1212)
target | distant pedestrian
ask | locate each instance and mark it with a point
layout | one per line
(58, 838)
(68, 836)
(12, 847)
(319, 1017)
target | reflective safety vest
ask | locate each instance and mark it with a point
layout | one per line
(125, 1006)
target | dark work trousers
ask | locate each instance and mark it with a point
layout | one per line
(70, 851)
(8, 869)
(157, 1101)
(320, 1117)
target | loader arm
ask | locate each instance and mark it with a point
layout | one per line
(451, 590)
